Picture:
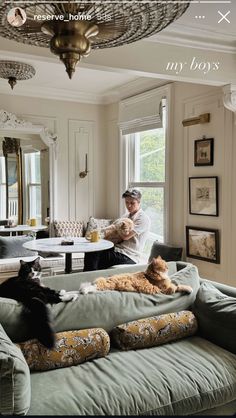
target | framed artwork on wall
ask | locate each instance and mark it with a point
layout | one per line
(204, 152)
(203, 196)
(203, 244)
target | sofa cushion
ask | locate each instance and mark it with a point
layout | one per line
(154, 331)
(98, 224)
(167, 252)
(103, 309)
(68, 228)
(182, 378)
(11, 247)
(107, 309)
(71, 348)
(14, 378)
(216, 315)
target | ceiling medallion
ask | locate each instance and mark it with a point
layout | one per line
(14, 70)
(71, 29)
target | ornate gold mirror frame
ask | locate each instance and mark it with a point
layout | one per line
(13, 127)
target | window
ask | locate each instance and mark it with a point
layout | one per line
(146, 169)
(33, 185)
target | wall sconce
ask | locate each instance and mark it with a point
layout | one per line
(204, 118)
(84, 173)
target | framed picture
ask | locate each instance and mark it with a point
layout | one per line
(203, 196)
(204, 152)
(203, 244)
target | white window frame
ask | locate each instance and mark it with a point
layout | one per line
(29, 184)
(164, 92)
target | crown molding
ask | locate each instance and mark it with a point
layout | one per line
(110, 96)
(21, 89)
(203, 37)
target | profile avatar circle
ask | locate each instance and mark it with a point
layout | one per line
(16, 17)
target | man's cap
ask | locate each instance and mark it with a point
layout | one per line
(134, 193)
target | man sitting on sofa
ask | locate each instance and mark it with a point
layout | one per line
(130, 249)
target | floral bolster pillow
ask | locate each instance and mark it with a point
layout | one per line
(154, 331)
(71, 348)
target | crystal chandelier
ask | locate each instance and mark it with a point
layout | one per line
(14, 70)
(72, 28)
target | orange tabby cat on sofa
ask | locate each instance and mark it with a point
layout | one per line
(154, 280)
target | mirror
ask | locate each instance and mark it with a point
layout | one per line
(27, 170)
(25, 180)
(11, 181)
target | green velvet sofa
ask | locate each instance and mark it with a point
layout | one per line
(192, 376)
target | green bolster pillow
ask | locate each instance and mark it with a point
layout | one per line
(154, 331)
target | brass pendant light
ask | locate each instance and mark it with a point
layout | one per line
(70, 40)
(71, 29)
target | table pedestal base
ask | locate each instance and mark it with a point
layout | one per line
(68, 267)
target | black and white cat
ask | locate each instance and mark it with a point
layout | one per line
(27, 289)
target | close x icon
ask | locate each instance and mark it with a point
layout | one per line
(224, 17)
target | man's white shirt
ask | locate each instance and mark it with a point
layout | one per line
(133, 247)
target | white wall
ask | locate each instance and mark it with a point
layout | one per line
(182, 92)
(68, 119)
(113, 161)
(190, 100)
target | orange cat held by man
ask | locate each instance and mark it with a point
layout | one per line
(154, 280)
(119, 228)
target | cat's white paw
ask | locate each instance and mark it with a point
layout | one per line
(86, 288)
(68, 297)
(62, 292)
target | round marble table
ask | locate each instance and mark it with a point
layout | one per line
(22, 228)
(81, 245)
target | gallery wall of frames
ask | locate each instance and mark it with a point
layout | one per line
(208, 151)
(203, 243)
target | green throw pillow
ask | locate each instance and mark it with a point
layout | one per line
(216, 315)
(11, 247)
(15, 392)
(154, 331)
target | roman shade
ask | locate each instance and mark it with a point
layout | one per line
(142, 112)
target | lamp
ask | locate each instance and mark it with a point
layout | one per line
(13, 71)
(72, 28)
